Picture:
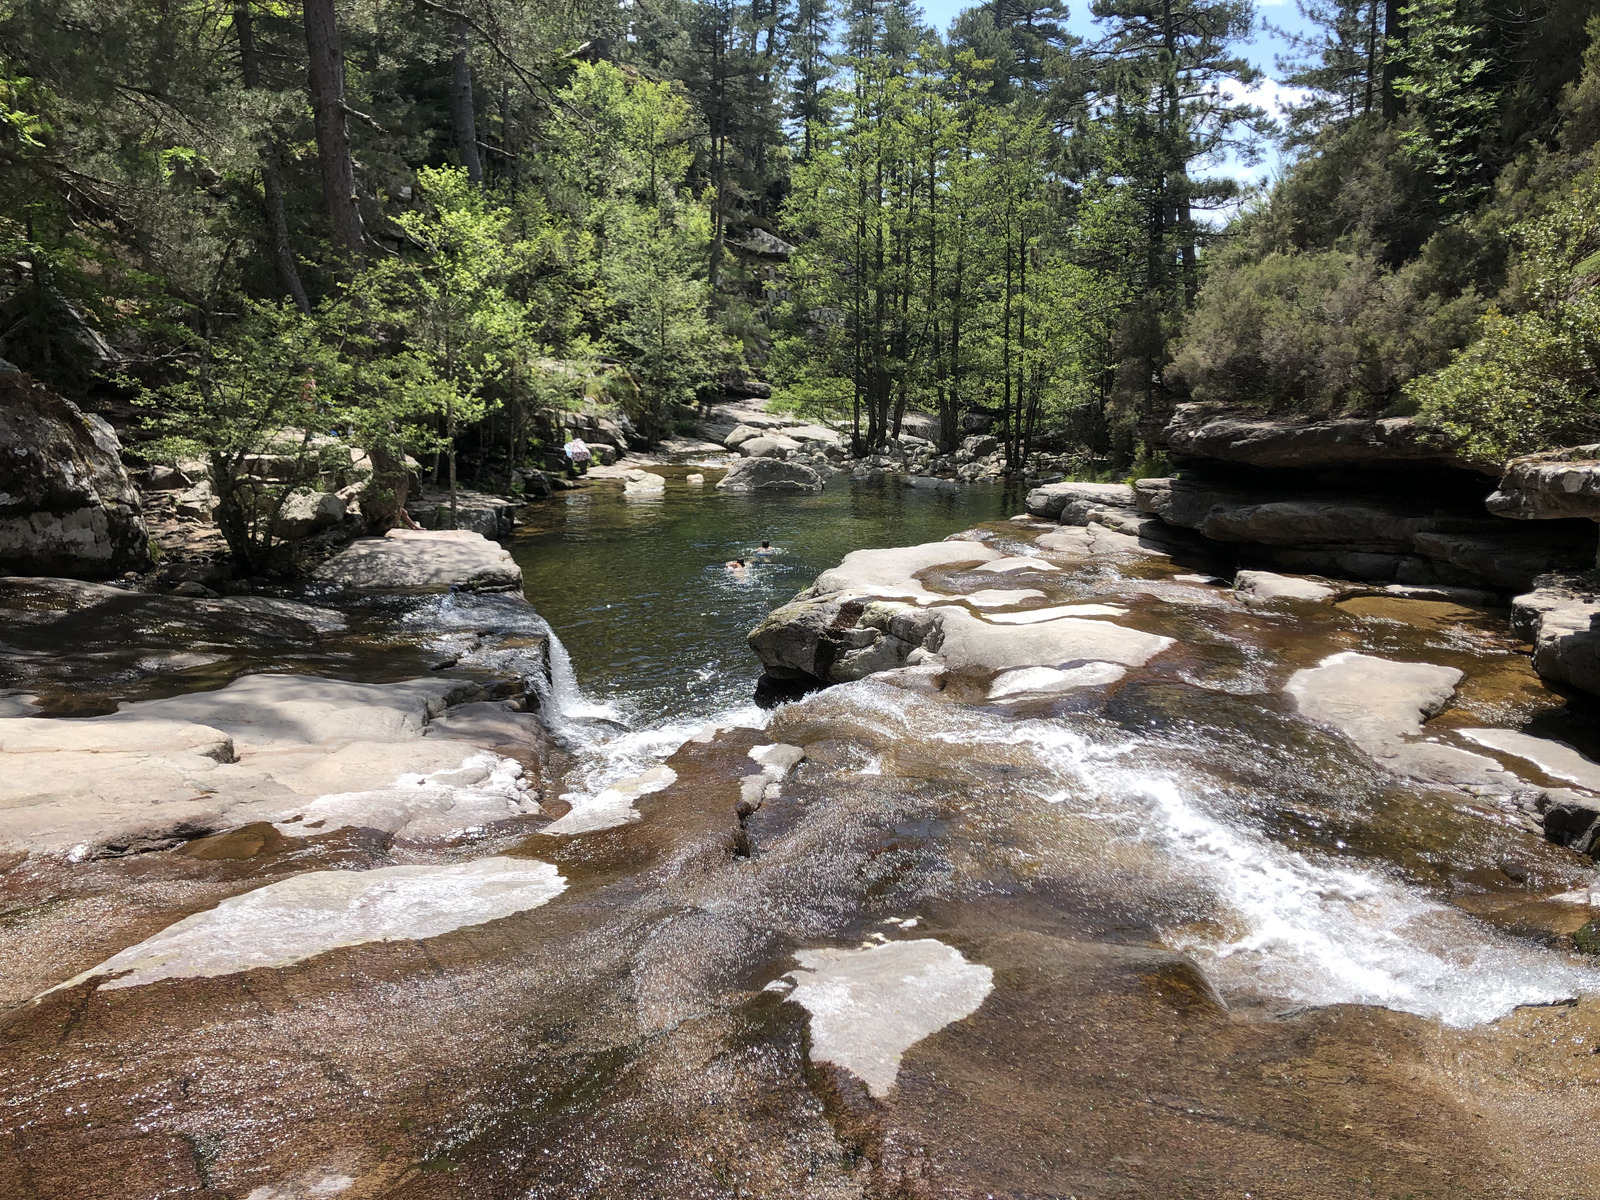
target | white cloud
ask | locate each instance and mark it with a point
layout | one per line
(1266, 93)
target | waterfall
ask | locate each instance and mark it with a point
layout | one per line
(567, 708)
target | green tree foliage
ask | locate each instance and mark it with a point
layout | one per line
(1532, 378)
(1398, 244)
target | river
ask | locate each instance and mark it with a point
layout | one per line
(1154, 930)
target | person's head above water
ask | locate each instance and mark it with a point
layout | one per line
(766, 545)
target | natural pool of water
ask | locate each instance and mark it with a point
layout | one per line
(635, 586)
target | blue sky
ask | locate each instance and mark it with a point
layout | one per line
(1261, 51)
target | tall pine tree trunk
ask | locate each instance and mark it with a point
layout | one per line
(461, 103)
(1394, 33)
(326, 77)
(271, 173)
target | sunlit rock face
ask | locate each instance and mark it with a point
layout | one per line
(67, 506)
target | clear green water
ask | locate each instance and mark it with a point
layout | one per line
(635, 586)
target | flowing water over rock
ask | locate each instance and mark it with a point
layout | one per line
(1106, 890)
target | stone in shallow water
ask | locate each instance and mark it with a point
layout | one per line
(890, 574)
(869, 1006)
(1379, 705)
(1551, 757)
(611, 806)
(1006, 566)
(306, 915)
(1267, 586)
(1034, 681)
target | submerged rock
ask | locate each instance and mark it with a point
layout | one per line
(67, 506)
(1380, 705)
(612, 805)
(421, 560)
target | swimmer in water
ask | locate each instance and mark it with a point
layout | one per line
(766, 548)
(736, 565)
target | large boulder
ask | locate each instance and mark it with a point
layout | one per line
(67, 506)
(769, 445)
(1202, 432)
(740, 435)
(478, 512)
(305, 512)
(815, 437)
(421, 560)
(770, 475)
(1074, 503)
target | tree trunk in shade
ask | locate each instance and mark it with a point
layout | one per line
(326, 76)
(461, 97)
(271, 172)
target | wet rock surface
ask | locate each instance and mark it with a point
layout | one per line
(1160, 923)
(1558, 617)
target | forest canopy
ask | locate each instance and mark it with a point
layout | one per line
(416, 223)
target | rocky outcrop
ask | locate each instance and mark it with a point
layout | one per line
(67, 506)
(1562, 620)
(1371, 537)
(770, 475)
(875, 613)
(418, 560)
(478, 512)
(1560, 483)
(1200, 432)
(1077, 503)
(306, 754)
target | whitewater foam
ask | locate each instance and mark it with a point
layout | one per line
(1296, 926)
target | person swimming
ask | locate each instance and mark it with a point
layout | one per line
(736, 565)
(766, 548)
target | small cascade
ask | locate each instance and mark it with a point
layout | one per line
(599, 734)
(568, 710)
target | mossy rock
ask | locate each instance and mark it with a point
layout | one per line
(1587, 939)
